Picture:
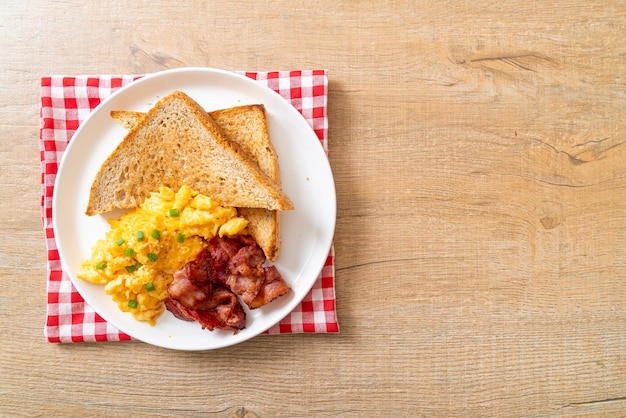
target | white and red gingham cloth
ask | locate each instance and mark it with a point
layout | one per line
(65, 102)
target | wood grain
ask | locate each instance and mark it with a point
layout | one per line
(479, 157)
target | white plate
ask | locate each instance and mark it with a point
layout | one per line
(307, 231)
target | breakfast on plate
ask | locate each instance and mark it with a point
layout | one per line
(203, 196)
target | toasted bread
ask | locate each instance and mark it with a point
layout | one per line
(178, 143)
(247, 126)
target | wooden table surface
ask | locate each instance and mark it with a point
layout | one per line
(479, 157)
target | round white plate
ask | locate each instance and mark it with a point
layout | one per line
(307, 231)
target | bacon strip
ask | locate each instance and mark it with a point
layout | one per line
(242, 272)
(273, 287)
(239, 264)
(205, 289)
(228, 318)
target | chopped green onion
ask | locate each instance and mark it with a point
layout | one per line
(174, 213)
(119, 241)
(156, 234)
(149, 287)
(140, 236)
(129, 252)
(133, 268)
(101, 266)
(132, 304)
(180, 238)
(152, 257)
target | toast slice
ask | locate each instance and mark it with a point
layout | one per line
(247, 126)
(178, 143)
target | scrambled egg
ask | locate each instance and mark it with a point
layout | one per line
(145, 246)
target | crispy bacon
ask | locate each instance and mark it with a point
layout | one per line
(194, 296)
(205, 289)
(245, 273)
(200, 270)
(273, 287)
(224, 317)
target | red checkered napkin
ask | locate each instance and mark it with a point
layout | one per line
(65, 102)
